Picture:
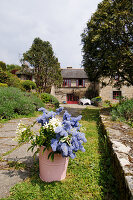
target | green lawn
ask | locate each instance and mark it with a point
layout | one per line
(89, 175)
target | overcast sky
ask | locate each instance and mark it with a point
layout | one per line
(60, 22)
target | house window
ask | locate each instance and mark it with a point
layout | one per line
(80, 82)
(67, 82)
(116, 94)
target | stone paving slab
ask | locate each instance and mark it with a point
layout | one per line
(9, 133)
(21, 155)
(9, 178)
(4, 149)
(8, 141)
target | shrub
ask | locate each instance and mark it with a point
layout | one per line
(123, 111)
(3, 76)
(14, 81)
(28, 85)
(48, 98)
(10, 79)
(107, 103)
(36, 101)
(15, 102)
(96, 100)
(3, 85)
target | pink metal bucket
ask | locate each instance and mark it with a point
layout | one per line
(52, 170)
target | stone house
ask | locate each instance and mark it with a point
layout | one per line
(112, 93)
(75, 85)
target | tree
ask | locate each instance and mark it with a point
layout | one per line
(3, 65)
(44, 63)
(108, 42)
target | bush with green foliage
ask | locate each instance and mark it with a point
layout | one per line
(10, 79)
(48, 98)
(107, 103)
(3, 76)
(3, 85)
(14, 81)
(96, 100)
(15, 102)
(123, 111)
(36, 101)
(28, 85)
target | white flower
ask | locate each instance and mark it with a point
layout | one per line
(53, 123)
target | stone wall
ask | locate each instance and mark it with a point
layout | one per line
(120, 143)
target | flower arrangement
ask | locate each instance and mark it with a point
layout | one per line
(63, 137)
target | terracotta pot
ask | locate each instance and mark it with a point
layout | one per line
(52, 170)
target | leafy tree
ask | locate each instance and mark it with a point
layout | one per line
(3, 65)
(108, 42)
(45, 65)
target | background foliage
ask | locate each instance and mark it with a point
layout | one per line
(48, 98)
(15, 102)
(45, 65)
(108, 42)
(28, 85)
(123, 111)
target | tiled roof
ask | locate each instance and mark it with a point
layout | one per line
(73, 73)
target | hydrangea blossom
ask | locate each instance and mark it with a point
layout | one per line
(63, 137)
(47, 115)
(68, 137)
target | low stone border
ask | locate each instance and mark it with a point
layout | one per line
(120, 142)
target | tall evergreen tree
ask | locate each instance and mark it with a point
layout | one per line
(44, 63)
(108, 42)
(3, 65)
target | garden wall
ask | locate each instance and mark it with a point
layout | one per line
(120, 142)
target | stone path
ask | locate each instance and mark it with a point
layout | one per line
(9, 176)
(9, 151)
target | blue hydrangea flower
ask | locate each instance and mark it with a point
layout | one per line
(43, 110)
(61, 131)
(64, 149)
(67, 125)
(42, 119)
(74, 121)
(51, 114)
(54, 144)
(59, 110)
(66, 116)
(68, 139)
